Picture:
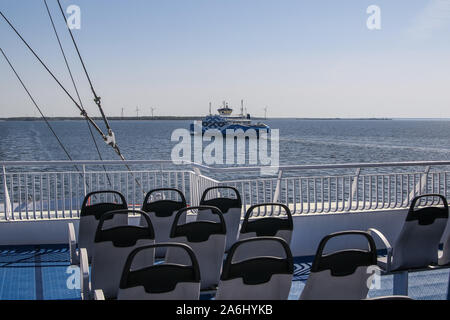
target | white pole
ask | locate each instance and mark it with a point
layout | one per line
(7, 205)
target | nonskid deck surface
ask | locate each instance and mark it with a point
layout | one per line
(43, 272)
(35, 273)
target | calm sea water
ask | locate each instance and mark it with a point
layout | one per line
(301, 141)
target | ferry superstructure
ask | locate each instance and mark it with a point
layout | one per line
(224, 121)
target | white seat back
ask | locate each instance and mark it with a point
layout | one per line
(112, 247)
(162, 213)
(262, 277)
(206, 238)
(161, 281)
(341, 275)
(418, 242)
(91, 213)
(231, 208)
(281, 226)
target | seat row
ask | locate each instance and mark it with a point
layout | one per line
(417, 246)
(347, 274)
(259, 263)
(108, 241)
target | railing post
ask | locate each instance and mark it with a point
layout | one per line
(424, 182)
(197, 171)
(7, 200)
(354, 190)
(276, 194)
(84, 180)
(421, 185)
(196, 184)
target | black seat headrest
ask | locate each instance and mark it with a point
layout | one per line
(223, 203)
(160, 278)
(126, 235)
(344, 262)
(98, 209)
(426, 216)
(267, 226)
(163, 208)
(198, 231)
(258, 270)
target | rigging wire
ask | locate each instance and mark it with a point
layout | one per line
(75, 87)
(110, 140)
(83, 112)
(38, 108)
(42, 114)
(36, 105)
(97, 99)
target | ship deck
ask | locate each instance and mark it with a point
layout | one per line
(42, 272)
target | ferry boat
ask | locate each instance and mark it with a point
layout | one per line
(224, 121)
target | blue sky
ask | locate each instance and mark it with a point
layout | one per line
(299, 58)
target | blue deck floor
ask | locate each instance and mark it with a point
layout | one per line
(43, 272)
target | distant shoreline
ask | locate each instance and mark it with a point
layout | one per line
(99, 118)
(168, 118)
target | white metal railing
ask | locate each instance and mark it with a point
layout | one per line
(55, 189)
(346, 193)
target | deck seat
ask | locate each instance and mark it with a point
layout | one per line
(444, 254)
(343, 274)
(113, 245)
(163, 281)
(260, 277)
(231, 208)
(89, 218)
(206, 238)
(416, 247)
(161, 213)
(274, 226)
